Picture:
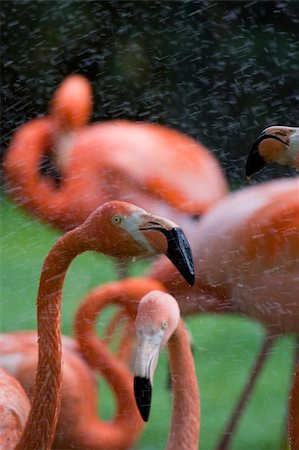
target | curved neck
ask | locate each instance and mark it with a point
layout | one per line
(40, 426)
(125, 427)
(25, 184)
(185, 421)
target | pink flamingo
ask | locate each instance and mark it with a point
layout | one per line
(247, 244)
(158, 323)
(117, 229)
(152, 166)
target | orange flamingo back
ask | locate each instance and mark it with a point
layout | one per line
(246, 257)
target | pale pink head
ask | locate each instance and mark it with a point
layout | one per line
(157, 319)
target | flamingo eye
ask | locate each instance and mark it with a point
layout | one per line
(116, 219)
(164, 324)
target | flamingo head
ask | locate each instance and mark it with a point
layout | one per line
(121, 230)
(275, 144)
(71, 104)
(157, 319)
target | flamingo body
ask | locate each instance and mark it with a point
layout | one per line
(18, 355)
(246, 257)
(247, 263)
(152, 166)
(14, 410)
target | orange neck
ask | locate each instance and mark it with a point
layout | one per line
(25, 184)
(185, 422)
(40, 427)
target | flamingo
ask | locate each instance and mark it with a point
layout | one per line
(158, 323)
(117, 229)
(152, 166)
(278, 144)
(14, 409)
(294, 412)
(18, 355)
(246, 262)
(78, 425)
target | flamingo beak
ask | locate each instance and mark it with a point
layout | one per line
(143, 396)
(255, 161)
(178, 248)
(180, 254)
(147, 353)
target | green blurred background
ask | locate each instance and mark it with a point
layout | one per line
(218, 71)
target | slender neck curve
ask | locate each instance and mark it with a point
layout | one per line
(124, 428)
(24, 155)
(25, 184)
(185, 421)
(40, 427)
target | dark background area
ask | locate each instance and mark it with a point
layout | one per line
(218, 71)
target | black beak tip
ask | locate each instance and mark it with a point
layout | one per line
(143, 396)
(179, 252)
(189, 277)
(254, 161)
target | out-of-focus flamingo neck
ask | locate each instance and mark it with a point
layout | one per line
(47, 394)
(25, 183)
(186, 407)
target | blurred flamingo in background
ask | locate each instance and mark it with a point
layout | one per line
(18, 355)
(157, 324)
(246, 262)
(117, 229)
(14, 410)
(152, 166)
(278, 144)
